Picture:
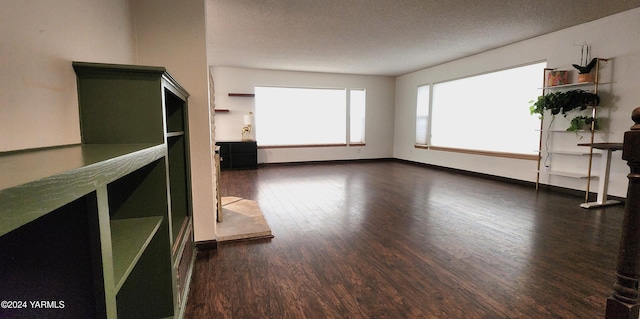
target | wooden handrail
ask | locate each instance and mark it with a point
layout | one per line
(624, 303)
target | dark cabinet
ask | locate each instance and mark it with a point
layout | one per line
(238, 155)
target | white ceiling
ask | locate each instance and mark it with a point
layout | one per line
(381, 37)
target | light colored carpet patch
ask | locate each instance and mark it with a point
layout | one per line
(242, 219)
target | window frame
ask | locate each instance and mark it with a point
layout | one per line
(351, 121)
(427, 122)
(430, 120)
(347, 111)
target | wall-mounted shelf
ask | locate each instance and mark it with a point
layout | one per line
(242, 94)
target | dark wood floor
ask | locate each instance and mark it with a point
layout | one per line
(394, 240)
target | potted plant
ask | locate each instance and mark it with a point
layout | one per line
(584, 72)
(583, 122)
(562, 102)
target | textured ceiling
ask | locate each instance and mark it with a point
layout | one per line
(381, 37)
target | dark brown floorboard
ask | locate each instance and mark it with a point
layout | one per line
(393, 240)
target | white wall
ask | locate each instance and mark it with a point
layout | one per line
(379, 113)
(172, 34)
(38, 41)
(615, 37)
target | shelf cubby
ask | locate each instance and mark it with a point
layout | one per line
(178, 185)
(175, 112)
(148, 291)
(51, 258)
(142, 193)
(129, 239)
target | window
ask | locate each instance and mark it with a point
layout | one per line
(488, 112)
(357, 102)
(308, 116)
(422, 115)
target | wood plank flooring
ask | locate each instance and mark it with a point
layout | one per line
(388, 239)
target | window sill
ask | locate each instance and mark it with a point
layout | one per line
(477, 152)
(301, 146)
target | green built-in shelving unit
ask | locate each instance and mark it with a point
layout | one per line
(104, 226)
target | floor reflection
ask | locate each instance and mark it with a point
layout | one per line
(495, 244)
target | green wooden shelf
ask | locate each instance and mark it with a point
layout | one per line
(36, 182)
(175, 134)
(129, 238)
(109, 202)
(141, 104)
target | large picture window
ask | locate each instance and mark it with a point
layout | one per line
(308, 116)
(488, 112)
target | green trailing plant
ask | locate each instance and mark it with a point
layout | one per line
(579, 122)
(586, 68)
(561, 102)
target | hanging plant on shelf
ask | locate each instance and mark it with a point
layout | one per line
(583, 122)
(562, 102)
